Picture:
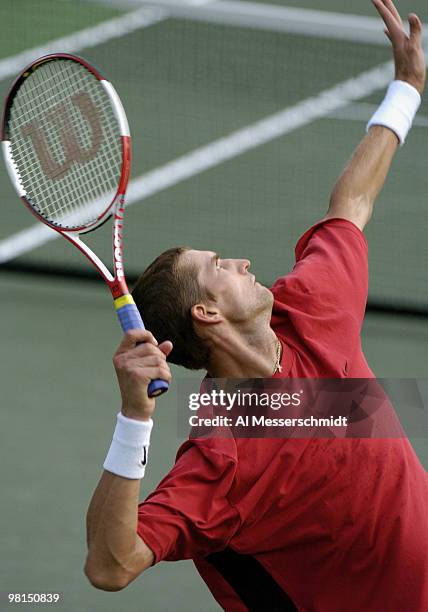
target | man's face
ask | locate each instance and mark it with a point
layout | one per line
(236, 294)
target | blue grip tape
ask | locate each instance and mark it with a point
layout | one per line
(130, 318)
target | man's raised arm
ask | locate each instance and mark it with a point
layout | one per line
(356, 190)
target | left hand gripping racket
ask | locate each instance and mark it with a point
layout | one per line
(67, 149)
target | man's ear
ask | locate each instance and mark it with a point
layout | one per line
(207, 315)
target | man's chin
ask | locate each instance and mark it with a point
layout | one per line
(266, 296)
(265, 290)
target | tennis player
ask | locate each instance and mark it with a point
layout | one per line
(321, 525)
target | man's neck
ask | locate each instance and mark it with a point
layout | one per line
(252, 354)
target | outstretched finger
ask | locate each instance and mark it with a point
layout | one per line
(395, 28)
(415, 29)
(391, 6)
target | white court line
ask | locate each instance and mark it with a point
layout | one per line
(90, 37)
(224, 149)
(306, 22)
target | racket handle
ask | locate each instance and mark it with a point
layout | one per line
(130, 318)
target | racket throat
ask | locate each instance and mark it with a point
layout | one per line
(93, 258)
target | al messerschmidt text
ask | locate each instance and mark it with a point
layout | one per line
(254, 421)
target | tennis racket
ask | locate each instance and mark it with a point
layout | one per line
(67, 148)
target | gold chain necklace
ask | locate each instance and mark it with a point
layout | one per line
(277, 366)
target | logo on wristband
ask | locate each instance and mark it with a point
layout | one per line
(144, 459)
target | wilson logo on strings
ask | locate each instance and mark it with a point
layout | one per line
(70, 149)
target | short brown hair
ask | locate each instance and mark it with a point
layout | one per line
(165, 294)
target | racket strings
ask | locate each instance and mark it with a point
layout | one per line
(65, 143)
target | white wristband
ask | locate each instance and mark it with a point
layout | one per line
(398, 109)
(129, 448)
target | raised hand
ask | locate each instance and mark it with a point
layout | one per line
(408, 52)
(138, 360)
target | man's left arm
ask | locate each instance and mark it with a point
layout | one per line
(357, 188)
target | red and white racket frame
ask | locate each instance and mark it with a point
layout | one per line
(127, 312)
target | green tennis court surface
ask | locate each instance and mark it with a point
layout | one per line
(185, 85)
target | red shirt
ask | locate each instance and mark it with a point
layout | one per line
(317, 525)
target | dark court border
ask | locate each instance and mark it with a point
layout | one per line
(87, 275)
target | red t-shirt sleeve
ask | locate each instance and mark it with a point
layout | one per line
(324, 297)
(189, 515)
